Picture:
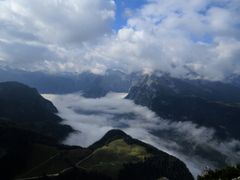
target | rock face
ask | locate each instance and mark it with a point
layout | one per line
(22, 106)
(207, 103)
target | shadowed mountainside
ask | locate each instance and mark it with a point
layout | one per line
(207, 103)
(115, 156)
(22, 106)
(227, 173)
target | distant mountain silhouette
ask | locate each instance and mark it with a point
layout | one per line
(233, 79)
(91, 85)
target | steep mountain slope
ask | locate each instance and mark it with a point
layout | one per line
(121, 156)
(22, 106)
(115, 156)
(212, 104)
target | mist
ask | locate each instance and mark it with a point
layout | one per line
(197, 146)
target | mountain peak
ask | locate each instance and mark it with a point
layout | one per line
(109, 137)
(10, 86)
(116, 133)
(132, 155)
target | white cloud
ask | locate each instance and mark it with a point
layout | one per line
(173, 36)
(49, 35)
(56, 21)
(197, 146)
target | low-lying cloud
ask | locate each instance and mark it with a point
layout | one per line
(92, 118)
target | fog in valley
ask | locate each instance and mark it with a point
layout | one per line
(197, 146)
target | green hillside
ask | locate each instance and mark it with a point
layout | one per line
(110, 158)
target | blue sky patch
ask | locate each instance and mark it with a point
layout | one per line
(121, 6)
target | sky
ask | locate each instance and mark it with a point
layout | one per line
(197, 146)
(173, 36)
(123, 8)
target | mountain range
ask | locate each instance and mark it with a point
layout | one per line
(89, 84)
(206, 103)
(31, 131)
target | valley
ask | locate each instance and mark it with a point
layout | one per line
(84, 120)
(197, 146)
(119, 90)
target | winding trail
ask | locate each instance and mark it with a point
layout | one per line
(77, 165)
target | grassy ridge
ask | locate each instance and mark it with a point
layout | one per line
(110, 158)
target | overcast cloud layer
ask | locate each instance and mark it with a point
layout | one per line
(177, 36)
(196, 146)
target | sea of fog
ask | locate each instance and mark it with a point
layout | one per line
(92, 118)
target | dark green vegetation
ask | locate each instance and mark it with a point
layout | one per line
(29, 136)
(207, 103)
(115, 156)
(228, 173)
(110, 158)
(120, 156)
(23, 107)
(25, 153)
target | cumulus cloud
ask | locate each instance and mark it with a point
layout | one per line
(92, 118)
(178, 36)
(41, 33)
(58, 21)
